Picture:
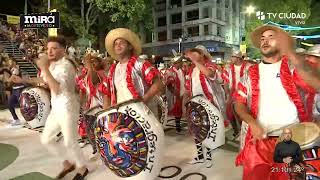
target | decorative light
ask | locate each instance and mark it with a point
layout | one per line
(250, 9)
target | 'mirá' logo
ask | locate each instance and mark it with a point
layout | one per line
(39, 19)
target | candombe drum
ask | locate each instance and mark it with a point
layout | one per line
(35, 106)
(130, 141)
(162, 110)
(306, 134)
(205, 122)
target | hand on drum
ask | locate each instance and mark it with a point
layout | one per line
(257, 131)
(43, 62)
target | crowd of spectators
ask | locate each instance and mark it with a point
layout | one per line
(29, 41)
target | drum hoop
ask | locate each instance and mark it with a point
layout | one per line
(31, 87)
(117, 106)
(314, 125)
(199, 95)
(91, 109)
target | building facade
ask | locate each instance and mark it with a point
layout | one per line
(216, 24)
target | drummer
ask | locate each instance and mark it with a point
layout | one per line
(91, 93)
(175, 80)
(131, 77)
(311, 95)
(202, 79)
(231, 76)
(268, 100)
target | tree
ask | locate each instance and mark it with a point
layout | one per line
(135, 15)
(83, 21)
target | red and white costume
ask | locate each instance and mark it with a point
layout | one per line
(310, 97)
(131, 81)
(270, 93)
(231, 76)
(197, 83)
(176, 80)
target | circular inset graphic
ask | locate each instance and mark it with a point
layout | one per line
(28, 106)
(122, 143)
(198, 121)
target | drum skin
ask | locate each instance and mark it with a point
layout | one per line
(130, 141)
(35, 106)
(205, 122)
(306, 134)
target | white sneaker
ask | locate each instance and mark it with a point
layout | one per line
(208, 163)
(16, 123)
(94, 157)
(196, 160)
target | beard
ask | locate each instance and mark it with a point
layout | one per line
(269, 53)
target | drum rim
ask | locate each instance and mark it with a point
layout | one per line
(316, 137)
(198, 95)
(91, 109)
(117, 106)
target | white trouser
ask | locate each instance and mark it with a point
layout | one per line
(64, 120)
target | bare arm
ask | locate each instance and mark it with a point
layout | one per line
(311, 75)
(206, 71)
(92, 74)
(245, 115)
(32, 81)
(156, 87)
(243, 112)
(106, 102)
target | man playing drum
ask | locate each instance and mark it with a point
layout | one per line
(59, 73)
(131, 77)
(311, 95)
(202, 80)
(268, 100)
(231, 76)
(175, 84)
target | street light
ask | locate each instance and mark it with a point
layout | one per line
(250, 9)
(180, 41)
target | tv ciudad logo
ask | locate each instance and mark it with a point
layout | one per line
(43, 20)
(298, 17)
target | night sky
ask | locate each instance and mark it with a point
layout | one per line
(12, 7)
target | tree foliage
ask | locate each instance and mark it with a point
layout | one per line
(133, 14)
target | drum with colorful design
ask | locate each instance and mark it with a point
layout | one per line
(130, 140)
(205, 122)
(35, 106)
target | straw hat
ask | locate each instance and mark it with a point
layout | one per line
(300, 51)
(126, 34)
(257, 33)
(202, 50)
(236, 54)
(314, 50)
